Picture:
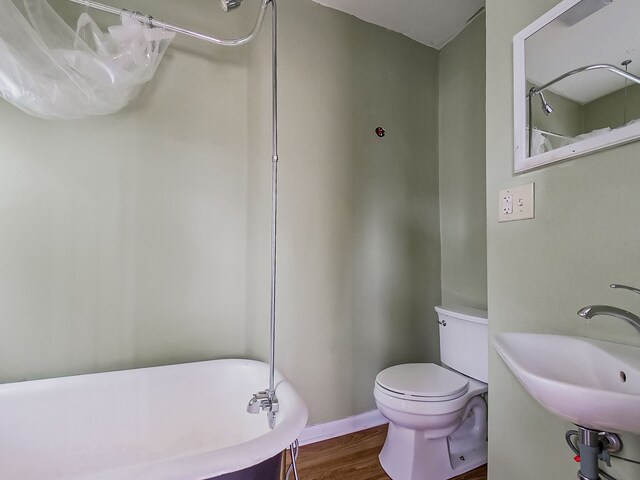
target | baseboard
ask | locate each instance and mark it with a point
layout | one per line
(344, 426)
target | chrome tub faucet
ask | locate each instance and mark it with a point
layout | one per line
(265, 401)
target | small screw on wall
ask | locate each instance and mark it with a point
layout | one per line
(380, 132)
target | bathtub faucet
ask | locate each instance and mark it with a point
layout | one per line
(265, 401)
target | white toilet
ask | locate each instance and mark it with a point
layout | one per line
(437, 414)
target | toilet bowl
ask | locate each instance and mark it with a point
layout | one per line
(437, 415)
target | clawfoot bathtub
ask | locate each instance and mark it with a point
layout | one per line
(176, 422)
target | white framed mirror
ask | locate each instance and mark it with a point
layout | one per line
(578, 67)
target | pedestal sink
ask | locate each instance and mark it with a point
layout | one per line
(592, 383)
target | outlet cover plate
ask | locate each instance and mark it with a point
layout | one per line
(516, 203)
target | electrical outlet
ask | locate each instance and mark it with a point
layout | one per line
(507, 204)
(516, 203)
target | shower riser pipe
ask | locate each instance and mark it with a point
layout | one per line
(274, 193)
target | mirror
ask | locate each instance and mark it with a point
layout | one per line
(578, 68)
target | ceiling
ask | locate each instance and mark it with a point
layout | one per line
(430, 22)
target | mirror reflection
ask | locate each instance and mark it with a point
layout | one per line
(582, 74)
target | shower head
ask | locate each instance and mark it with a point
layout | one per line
(546, 108)
(228, 5)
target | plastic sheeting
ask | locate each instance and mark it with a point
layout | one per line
(50, 71)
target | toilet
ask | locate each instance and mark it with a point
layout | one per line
(437, 413)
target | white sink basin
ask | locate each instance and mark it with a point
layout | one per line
(592, 383)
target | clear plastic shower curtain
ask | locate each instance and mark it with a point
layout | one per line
(50, 71)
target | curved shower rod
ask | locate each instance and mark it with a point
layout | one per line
(600, 66)
(149, 21)
(547, 108)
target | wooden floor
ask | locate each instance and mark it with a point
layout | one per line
(353, 457)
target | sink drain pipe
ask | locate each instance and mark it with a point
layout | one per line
(592, 447)
(589, 450)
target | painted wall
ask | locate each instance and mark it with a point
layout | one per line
(462, 168)
(142, 238)
(610, 110)
(122, 238)
(567, 118)
(540, 272)
(359, 262)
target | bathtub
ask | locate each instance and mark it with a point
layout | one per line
(177, 422)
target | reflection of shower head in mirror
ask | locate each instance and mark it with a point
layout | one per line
(546, 108)
(228, 5)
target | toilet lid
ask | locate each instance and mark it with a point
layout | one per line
(423, 381)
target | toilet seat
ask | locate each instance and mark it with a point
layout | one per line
(422, 382)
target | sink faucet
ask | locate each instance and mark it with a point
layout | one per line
(593, 310)
(631, 318)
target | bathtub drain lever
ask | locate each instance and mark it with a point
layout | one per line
(265, 401)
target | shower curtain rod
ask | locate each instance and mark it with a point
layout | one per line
(600, 66)
(149, 21)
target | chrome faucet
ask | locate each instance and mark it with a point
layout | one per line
(631, 318)
(593, 310)
(625, 287)
(265, 401)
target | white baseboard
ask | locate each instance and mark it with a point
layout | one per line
(325, 431)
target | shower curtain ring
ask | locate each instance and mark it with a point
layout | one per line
(138, 16)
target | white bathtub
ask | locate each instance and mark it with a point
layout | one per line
(186, 422)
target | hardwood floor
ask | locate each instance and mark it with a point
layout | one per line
(353, 457)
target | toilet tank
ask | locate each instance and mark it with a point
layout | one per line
(464, 341)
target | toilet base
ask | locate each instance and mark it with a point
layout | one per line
(409, 455)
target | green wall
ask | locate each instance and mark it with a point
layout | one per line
(462, 168)
(609, 111)
(142, 238)
(359, 261)
(122, 238)
(567, 117)
(540, 272)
